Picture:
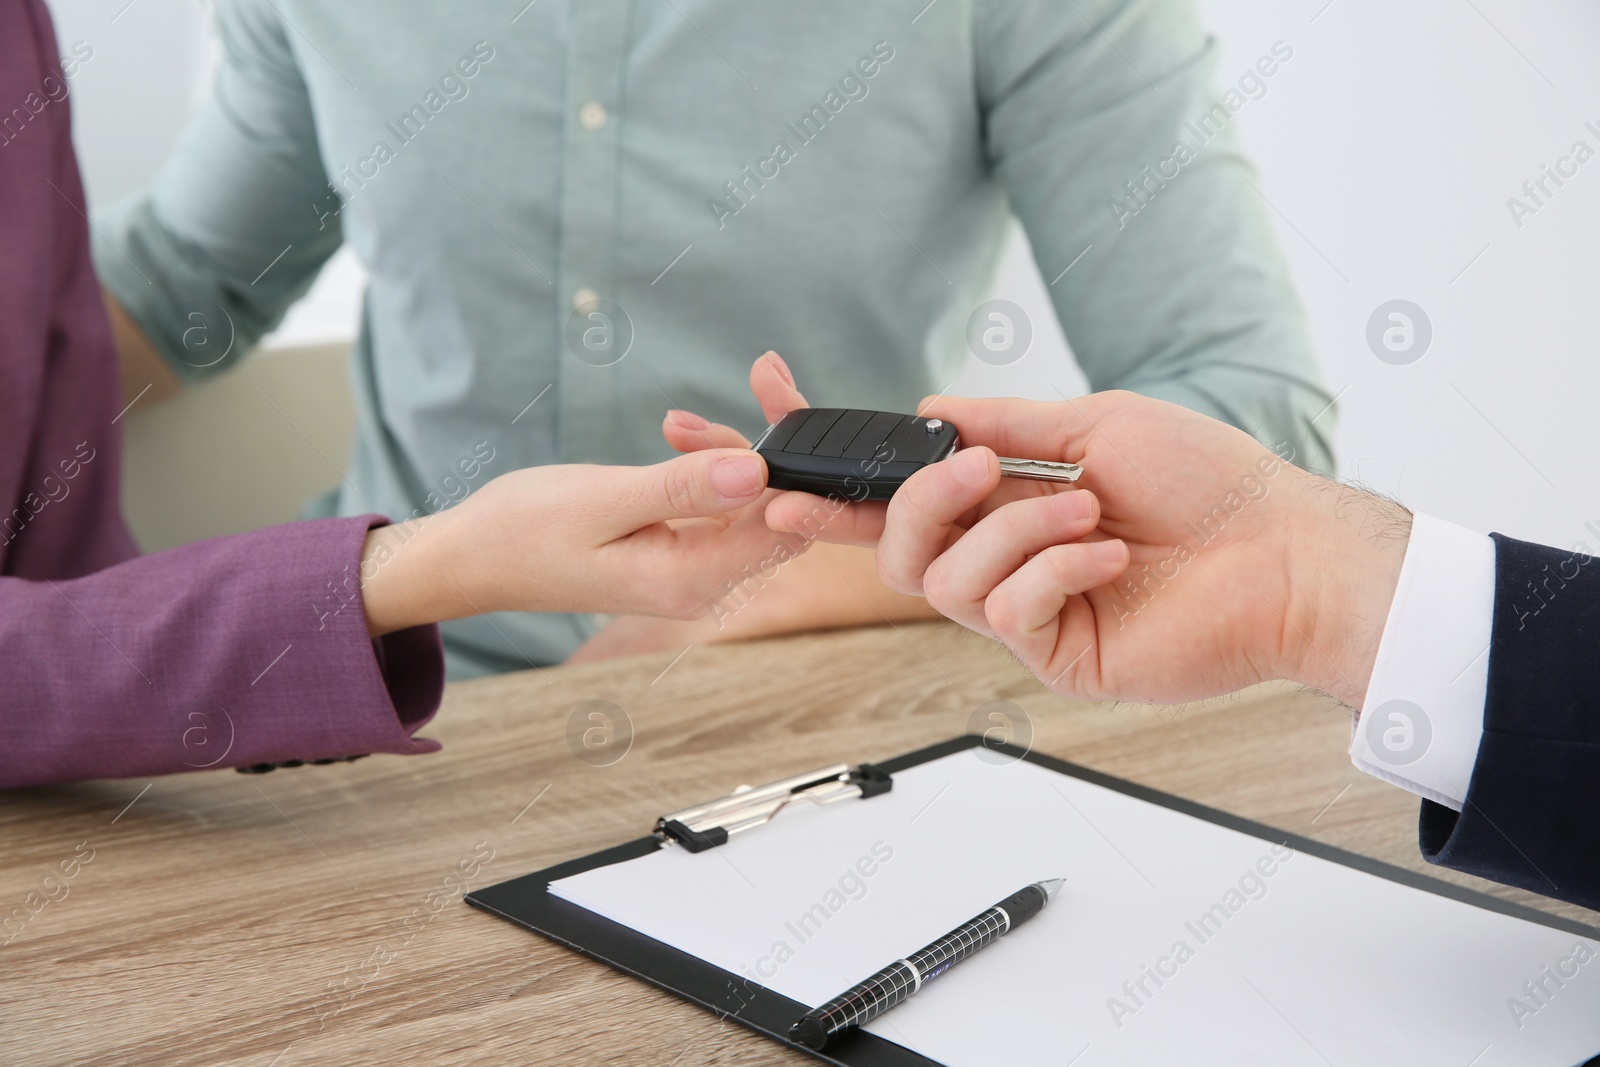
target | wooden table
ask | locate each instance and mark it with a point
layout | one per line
(311, 916)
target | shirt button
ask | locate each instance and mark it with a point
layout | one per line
(585, 299)
(592, 115)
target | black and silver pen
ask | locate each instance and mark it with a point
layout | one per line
(871, 998)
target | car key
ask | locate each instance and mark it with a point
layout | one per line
(867, 455)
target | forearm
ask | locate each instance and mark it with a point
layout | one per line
(233, 229)
(145, 375)
(1145, 216)
(1527, 812)
(229, 652)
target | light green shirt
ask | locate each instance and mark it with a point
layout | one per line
(831, 179)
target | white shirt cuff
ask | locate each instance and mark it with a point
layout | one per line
(1422, 720)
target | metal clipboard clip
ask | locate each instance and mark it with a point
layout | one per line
(709, 825)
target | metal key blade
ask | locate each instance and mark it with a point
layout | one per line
(1040, 470)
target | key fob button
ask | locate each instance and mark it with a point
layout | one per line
(805, 439)
(912, 443)
(780, 433)
(842, 434)
(873, 435)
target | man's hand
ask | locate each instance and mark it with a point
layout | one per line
(1191, 562)
(660, 540)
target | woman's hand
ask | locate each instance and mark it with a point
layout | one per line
(659, 540)
(833, 586)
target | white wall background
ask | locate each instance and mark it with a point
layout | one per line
(1388, 147)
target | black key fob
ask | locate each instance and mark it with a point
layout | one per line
(850, 453)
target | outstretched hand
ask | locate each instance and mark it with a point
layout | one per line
(1190, 561)
(659, 540)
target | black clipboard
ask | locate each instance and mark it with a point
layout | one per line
(528, 902)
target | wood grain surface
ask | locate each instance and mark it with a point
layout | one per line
(312, 915)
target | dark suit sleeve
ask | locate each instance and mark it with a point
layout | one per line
(1532, 812)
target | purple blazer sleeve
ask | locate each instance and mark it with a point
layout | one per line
(237, 651)
(230, 652)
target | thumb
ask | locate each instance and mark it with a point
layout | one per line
(701, 483)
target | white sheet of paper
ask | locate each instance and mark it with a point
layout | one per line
(1301, 961)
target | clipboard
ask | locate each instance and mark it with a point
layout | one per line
(528, 902)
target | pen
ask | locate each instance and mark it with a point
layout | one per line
(868, 999)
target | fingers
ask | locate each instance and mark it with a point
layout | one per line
(687, 432)
(958, 582)
(773, 384)
(702, 483)
(706, 568)
(922, 516)
(774, 389)
(1029, 429)
(1031, 609)
(828, 519)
